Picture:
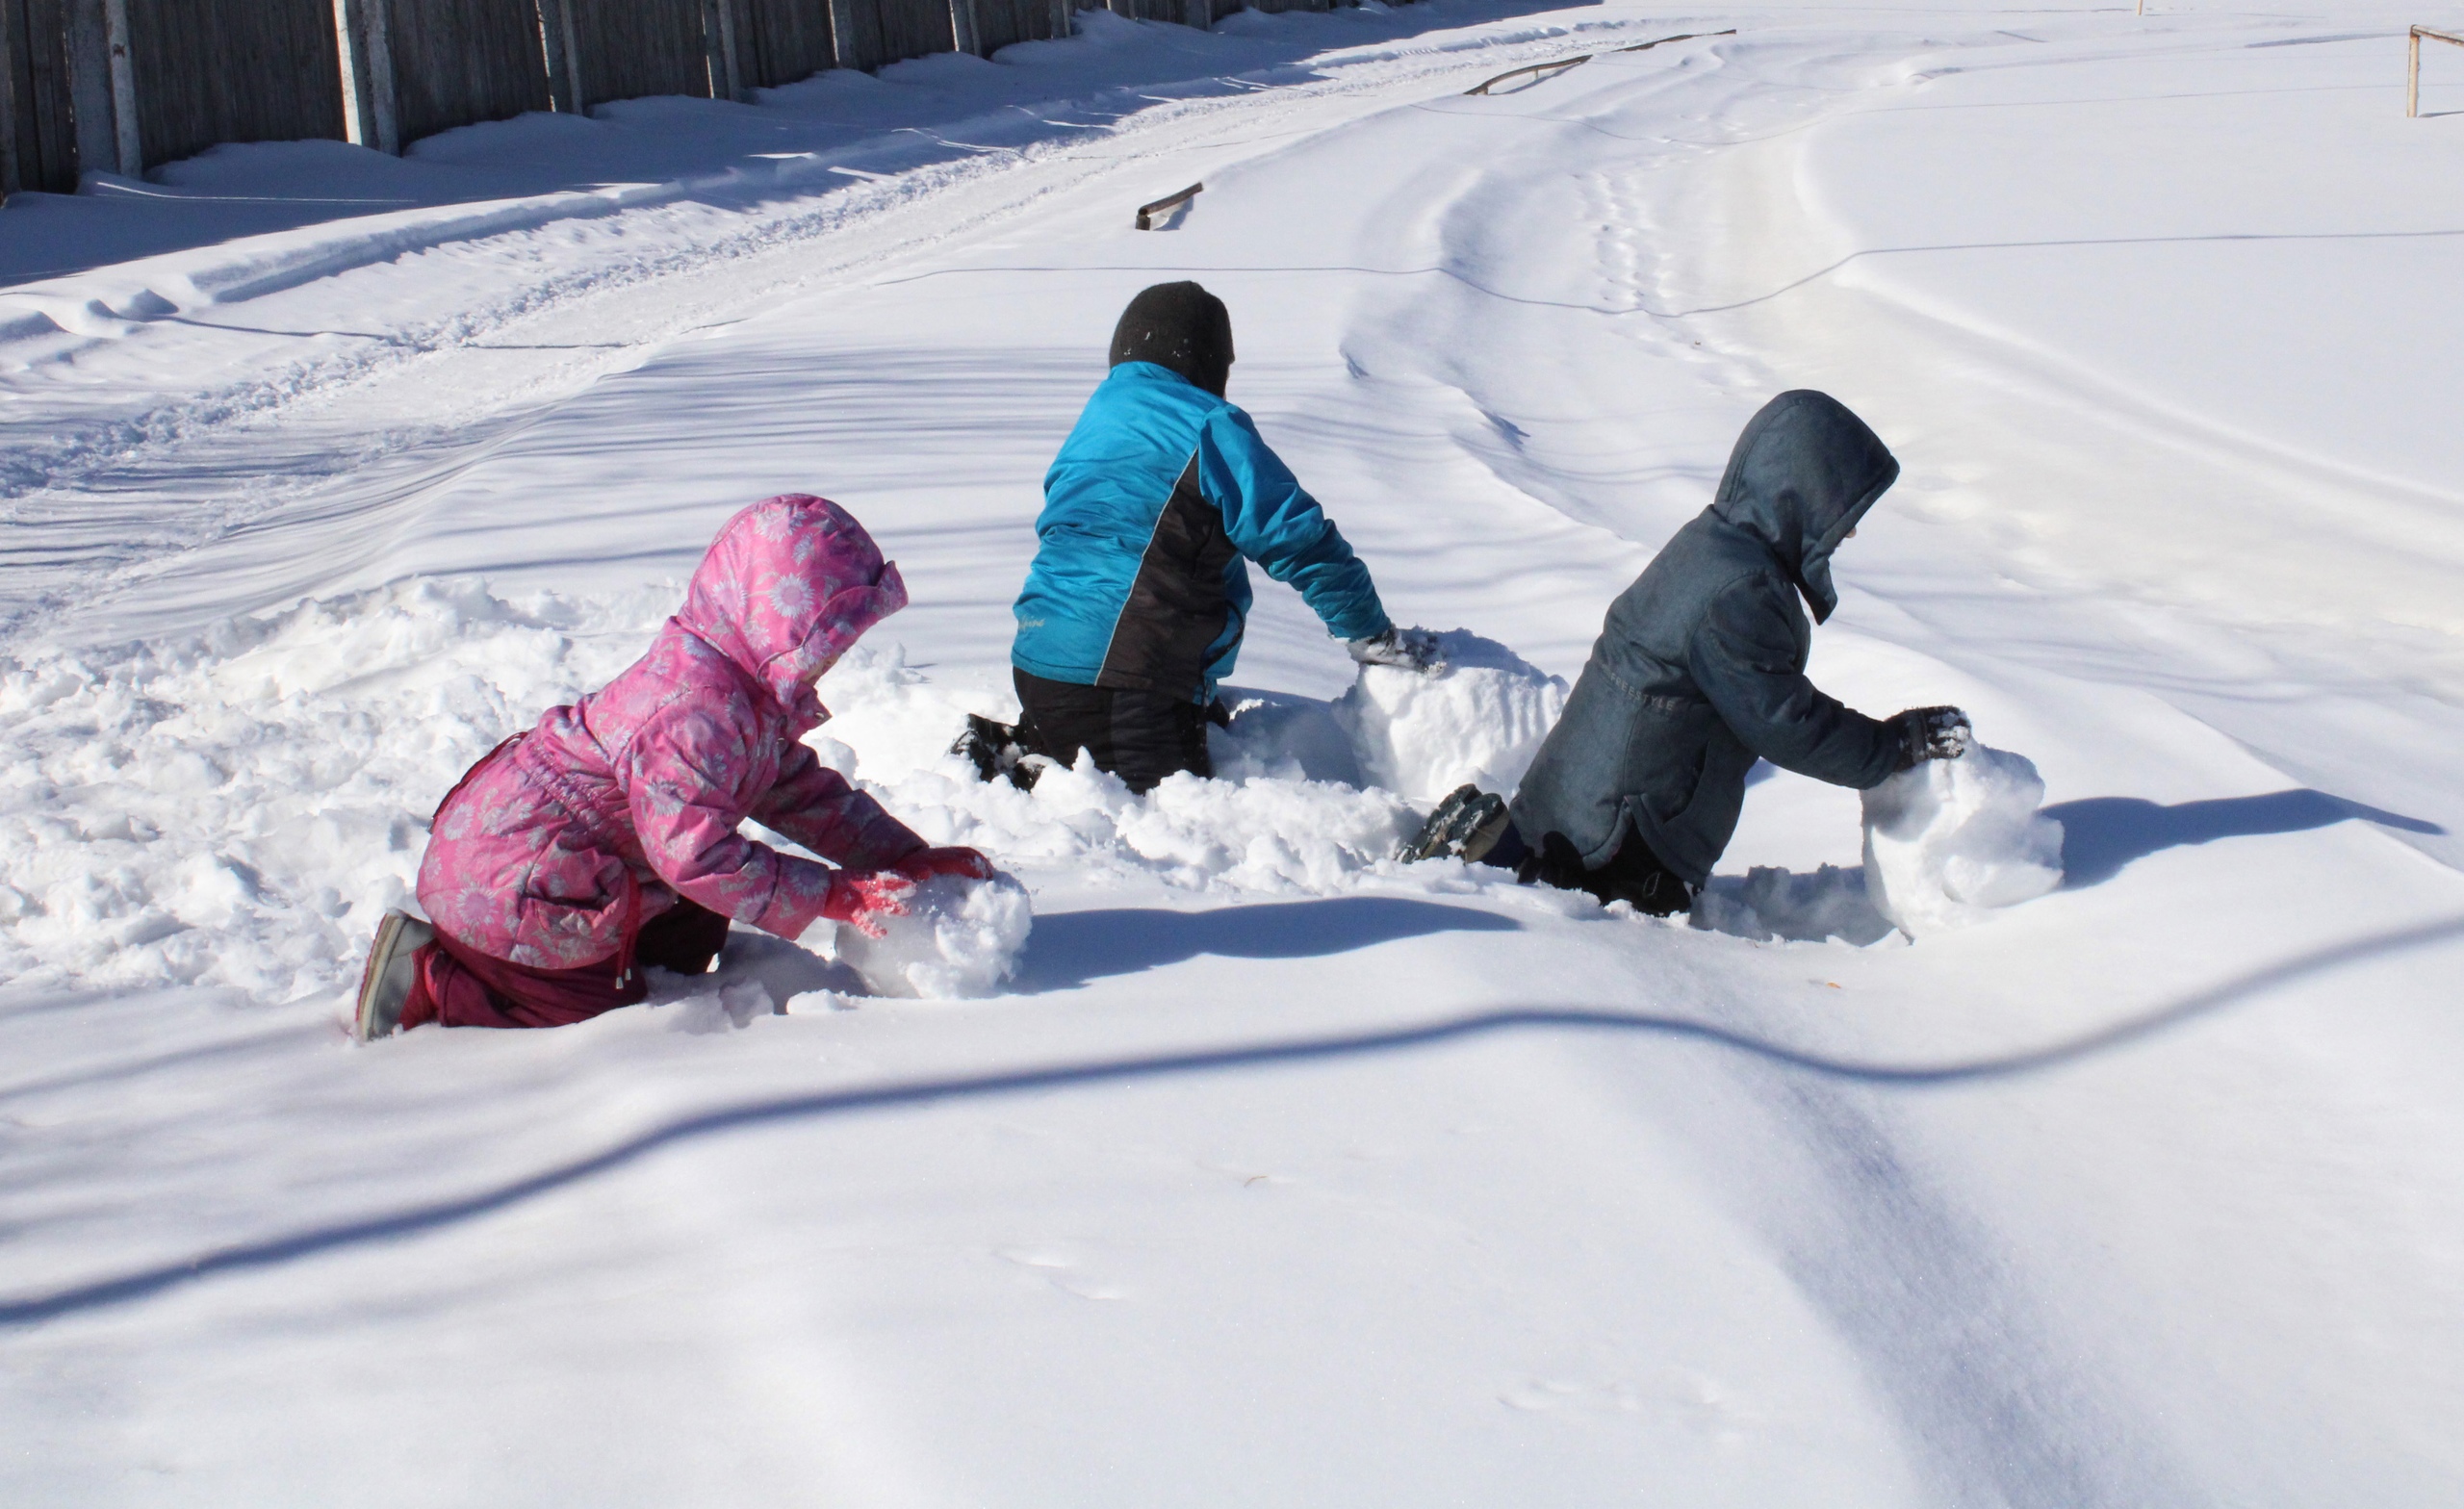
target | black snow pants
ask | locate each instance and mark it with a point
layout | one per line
(1633, 875)
(1139, 736)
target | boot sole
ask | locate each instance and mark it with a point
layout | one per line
(1466, 826)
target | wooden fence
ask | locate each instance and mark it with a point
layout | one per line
(450, 62)
(871, 32)
(779, 42)
(1198, 12)
(620, 49)
(58, 90)
(203, 71)
(998, 23)
(113, 86)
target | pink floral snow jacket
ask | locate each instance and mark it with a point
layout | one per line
(597, 819)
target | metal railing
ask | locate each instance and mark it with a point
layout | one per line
(1537, 69)
(1561, 65)
(2413, 64)
(1146, 213)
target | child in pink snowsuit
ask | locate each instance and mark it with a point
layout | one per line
(606, 837)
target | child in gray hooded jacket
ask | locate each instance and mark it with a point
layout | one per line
(1699, 670)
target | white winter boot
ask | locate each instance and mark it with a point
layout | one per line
(385, 984)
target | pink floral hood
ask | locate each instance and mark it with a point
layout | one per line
(787, 587)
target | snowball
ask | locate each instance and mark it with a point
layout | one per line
(960, 937)
(1950, 838)
(1481, 720)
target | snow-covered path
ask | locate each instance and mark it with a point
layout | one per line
(1286, 1175)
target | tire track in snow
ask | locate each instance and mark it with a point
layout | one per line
(1975, 1370)
(1997, 1406)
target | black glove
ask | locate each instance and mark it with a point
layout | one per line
(1931, 733)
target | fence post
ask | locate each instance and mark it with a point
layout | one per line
(963, 31)
(1199, 13)
(556, 44)
(2413, 73)
(370, 113)
(87, 48)
(127, 140)
(842, 35)
(351, 46)
(12, 178)
(739, 44)
(1065, 19)
(378, 16)
(718, 44)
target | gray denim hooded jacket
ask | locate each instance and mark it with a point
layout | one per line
(1701, 665)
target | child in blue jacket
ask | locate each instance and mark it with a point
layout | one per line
(1133, 610)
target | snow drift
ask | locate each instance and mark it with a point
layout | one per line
(237, 807)
(1951, 838)
(958, 938)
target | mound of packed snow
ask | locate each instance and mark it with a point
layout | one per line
(1951, 838)
(958, 938)
(1478, 719)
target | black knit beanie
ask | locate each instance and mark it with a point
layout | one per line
(1180, 326)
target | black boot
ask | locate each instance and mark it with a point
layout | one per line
(999, 752)
(1633, 875)
(1467, 825)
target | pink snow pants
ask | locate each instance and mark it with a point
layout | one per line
(460, 986)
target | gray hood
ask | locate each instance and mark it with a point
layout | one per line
(1802, 472)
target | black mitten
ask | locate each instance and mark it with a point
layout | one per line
(1931, 733)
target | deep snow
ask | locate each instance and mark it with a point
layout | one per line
(1282, 1173)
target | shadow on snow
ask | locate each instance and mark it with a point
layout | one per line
(275, 1251)
(2101, 835)
(1074, 947)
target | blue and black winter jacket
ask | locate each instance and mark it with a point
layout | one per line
(1156, 499)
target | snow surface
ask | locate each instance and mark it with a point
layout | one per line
(1282, 1174)
(1950, 839)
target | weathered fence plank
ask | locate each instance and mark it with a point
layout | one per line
(461, 61)
(42, 129)
(94, 120)
(871, 32)
(998, 23)
(623, 49)
(8, 181)
(206, 71)
(915, 28)
(783, 41)
(856, 32)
